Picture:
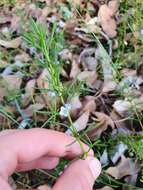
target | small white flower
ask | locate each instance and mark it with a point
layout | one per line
(65, 110)
(5, 31)
(61, 24)
(68, 106)
(56, 62)
(32, 50)
(52, 94)
(141, 31)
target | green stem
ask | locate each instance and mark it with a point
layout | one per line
(75, 133)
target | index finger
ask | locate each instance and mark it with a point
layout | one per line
(27, 145)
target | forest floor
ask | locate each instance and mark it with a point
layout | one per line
(76, 66)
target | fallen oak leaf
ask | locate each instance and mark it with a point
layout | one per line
(104, 160)
(2, 93)
(12, 82)
(88, 59)
(122, 107)
(9, 83)
(29, 91)
(89, 77)
(42, 81)
(15, 43)
(109, 86)
(43, 85)
(118, 152)
(15, 24)
(28, 112)
(81, 123)
(103, 121)
(4, 19)
(119, 122)
(88, 104)
(65, 55)
(75, 70)
(131, 180)
(126, 167)
(76, 106)
(108, 23)
(113, 6)
(22, 57)
(76, 3)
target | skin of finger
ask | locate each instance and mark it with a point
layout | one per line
(8, 132)
(44, 162)
(77, 176)
(4, 185)
(28, 145)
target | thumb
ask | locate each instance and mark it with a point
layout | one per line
(80, 175)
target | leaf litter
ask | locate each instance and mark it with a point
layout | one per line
(99, 81)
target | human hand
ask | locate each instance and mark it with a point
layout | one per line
(22, 150)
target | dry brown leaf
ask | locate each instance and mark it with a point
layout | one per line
(89, 104)
(109, 86)
(64, 73)
(2, 93)
(22, 57)
(42, 83)
(88, 59)
(103, 121)
(75, 70)
(12, 82)
(118, 151)
(44, 13)
(5, 122)
(89, 77)
(80, 123)
(128, 72)
(122, 107)
(4, 19)
(118, 120)
(15, 23)
(65, 54)
(15, 43)
(29, 91)
(131, 180)
(76, 106)
(32, 109)
(113, 6)
(90, 63)
(108, 23)
(76, 2)
(126, 167)
(34, 11)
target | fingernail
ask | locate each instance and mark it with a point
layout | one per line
(94, 166)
